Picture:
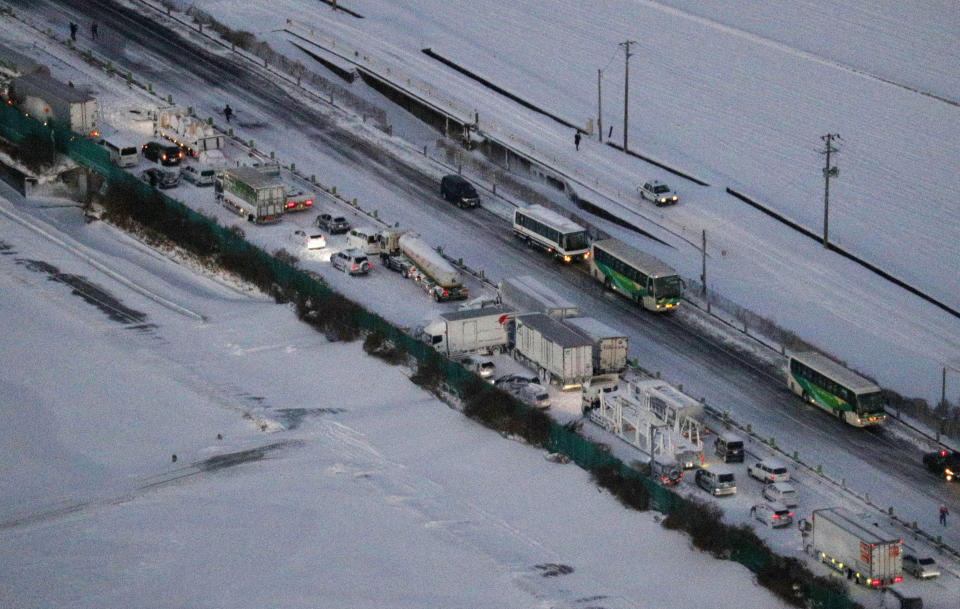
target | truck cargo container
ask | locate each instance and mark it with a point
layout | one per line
(487, 330)
(528, 295)
(609, 345)
(247, 192)
(47, 99)
(188, 132)
(559, 354)
(855, 546)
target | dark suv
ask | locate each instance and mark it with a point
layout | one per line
(457, 190)
(165, 154)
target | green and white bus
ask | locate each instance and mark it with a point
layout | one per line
(836, 389)
(635, 274)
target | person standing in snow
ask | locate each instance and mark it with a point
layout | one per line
(943, 515)
(73, 31)
(94, 31)
(228, 112)
(576, 139)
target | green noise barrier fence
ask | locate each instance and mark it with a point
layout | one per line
(589, 455)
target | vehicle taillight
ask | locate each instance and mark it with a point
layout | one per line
(897, 579)
(290, 204)
(875, 582)
(776, 516)
(163, 158)
(308, 203)
(353, 267)
(790, 514)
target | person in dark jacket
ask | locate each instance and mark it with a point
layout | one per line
(94, 31)
(576, 140)
(228, 112)
(73, 31)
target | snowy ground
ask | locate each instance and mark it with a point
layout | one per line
(319, 493)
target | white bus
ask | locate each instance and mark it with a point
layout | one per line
(548, 230)
(635, 274)
(836, 389)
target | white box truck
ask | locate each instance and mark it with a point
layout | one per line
(558, 353)
(250, 194)
(529, 295)
(46, 98)
(487, 330)
(855, 546)
(609, 345)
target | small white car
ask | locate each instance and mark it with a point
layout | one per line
(773, 514)
(479, 364)
(769, 471)
(658, 192)
(782, 492)
(198, 175)
(314, 241)
(921, 568)
(351, 262)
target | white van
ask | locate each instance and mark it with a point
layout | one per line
(122, 153)
(199, 175)
(363, 238)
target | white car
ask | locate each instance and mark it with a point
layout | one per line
(314, 241)
(198, 175)
(658, 192)
(351, 262)
(477, 363)
(533, 394)
(769, 471)
(921, 568)
(782, 492)
(773, 514)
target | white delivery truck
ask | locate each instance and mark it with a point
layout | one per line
(529, 295)
(558, 353)
(487, 330)
(854, 545)
(250, 194)
(609, 345)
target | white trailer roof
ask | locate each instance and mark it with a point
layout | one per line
(253, 176)
(593, 328)
(854, 524)
(475, 313)
(554, 330)
(530, 285)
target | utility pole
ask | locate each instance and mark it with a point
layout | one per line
(626, 86)
(599, 108)
(828, 172)
(703, 272)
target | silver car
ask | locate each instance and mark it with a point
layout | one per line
(351, 262)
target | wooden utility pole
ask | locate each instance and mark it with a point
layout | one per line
(703, 272)
(828, 172)
(626, 87)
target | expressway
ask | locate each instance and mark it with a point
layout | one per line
(884, 463)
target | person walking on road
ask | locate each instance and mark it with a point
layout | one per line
(73, 31)
(94, 31)
(576, 140)
(943, 515)
(228, 112)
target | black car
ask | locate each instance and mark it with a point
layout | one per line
(160, 178)
(398, 263)
(333, 224)
(457, 190)
(943, 463)
(169, 155)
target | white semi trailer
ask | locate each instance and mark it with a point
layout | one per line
(558, 353)
(855, 546)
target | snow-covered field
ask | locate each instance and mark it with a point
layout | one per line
(337, 482)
